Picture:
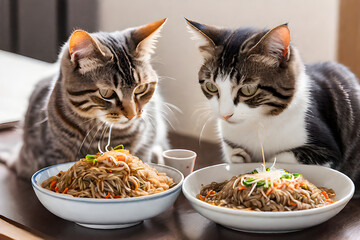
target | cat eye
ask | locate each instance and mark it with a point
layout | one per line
(249, 90)
(106, 93)
(211, 87)
(141, 89)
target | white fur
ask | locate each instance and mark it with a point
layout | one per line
(226, 103)
(278, 133)
(201, 41)
(285, 157)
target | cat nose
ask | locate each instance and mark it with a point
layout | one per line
(130, 116)
(227, 117)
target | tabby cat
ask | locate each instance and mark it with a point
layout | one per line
(105, 90)
(258, 86)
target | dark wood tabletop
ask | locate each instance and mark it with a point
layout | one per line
(19, 204)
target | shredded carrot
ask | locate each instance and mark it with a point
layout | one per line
(56, 189)
(110, 171)
(210, 193)
(294, 204)
(242, 188)
(328, 200)
(121, 158)
(325, 194)
(269, 191)
(65, 190)
(201, 197)
(52, 185)
(289, 186)
(107, 196)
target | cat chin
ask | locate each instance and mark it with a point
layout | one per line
(233, 121)
(238, 121)
(119, 123)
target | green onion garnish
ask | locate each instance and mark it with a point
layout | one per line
(253, 172)
(248, 182)
(91, 158)
(286, 176)
(119, 146)
(260, 183)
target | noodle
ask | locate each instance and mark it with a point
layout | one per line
(113, 174)
(267, 190)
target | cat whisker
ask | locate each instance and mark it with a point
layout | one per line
(156, 60)
(201, 114)
(109, 138)
(170, 105)
(202, 129)
(82, 143)
(164, 115)
(161, 111)
(149, 118)
(90, 119)
(203, 107)
(169, 122)
(101, 139)
(166, 77)
(102, 125)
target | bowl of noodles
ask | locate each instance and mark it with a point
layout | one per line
(108, 190)
(288, 197)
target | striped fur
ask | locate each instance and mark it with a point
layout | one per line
(303, 113)
(68, 116)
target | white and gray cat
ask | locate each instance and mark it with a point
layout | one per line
(257, 84)
(105, 85)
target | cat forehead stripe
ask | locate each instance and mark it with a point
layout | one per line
(124, 62)
(266, 60)
(231, 49)
(80, 93)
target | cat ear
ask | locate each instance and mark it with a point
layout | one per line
(274, 43)
(82, 45)
(145, 37)
(207, 36)
(85, 51)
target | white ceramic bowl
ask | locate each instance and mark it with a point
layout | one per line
(105, 213)
(268, 221)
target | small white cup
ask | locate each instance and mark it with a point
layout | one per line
(181, 159)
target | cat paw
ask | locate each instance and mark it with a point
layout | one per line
(238, 155)
(286, 157)
(157, 155)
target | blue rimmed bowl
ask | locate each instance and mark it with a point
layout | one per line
(268, 222)
(105, 213)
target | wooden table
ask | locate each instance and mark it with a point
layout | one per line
(19, 203)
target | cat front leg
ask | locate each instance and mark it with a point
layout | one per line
(285, 157)
(238, 155)
(235, 154)
(309, 154)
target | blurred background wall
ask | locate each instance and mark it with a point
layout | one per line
(41, 26)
